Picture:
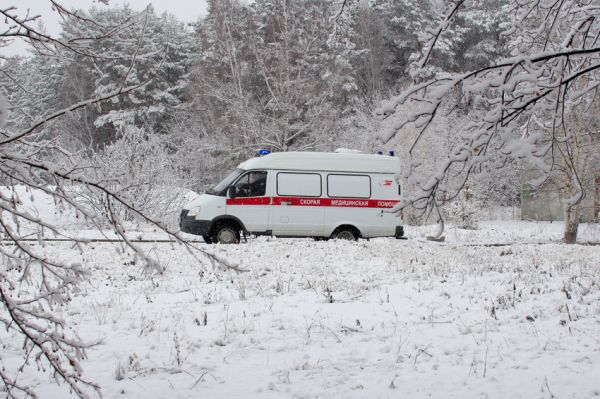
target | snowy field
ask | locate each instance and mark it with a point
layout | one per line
(370, 319)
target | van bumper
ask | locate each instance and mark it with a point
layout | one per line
(399, 232)
(190, 225)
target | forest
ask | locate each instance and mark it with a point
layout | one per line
(109, 127)
(269, 74)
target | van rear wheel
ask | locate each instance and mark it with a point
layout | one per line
(345, 233)
(226, 234)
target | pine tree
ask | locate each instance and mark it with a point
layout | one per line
(404, 22)
(156, 51)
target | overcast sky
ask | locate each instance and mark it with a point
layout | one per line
(184, 10)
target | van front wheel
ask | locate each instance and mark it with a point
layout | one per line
(226, 234)
(345, 233)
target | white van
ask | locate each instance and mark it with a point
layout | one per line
(301, 194)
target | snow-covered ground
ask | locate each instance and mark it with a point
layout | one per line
(381, 318)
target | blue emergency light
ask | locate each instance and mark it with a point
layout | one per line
(263, 152)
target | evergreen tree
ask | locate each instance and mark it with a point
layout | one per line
(151, 49)
(403, 22)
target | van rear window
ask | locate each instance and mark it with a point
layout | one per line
(348, 186)
(298, 184)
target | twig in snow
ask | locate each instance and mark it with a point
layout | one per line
(548, 387)
(420, 351)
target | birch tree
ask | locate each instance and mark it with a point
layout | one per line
(268, 77)
(292, 56)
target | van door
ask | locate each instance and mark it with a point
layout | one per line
(250, 203)
(297, 207)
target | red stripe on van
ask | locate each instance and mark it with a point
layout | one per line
(354, 203)
(249, 201)
(304, 201)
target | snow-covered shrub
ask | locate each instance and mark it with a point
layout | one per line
(139, 166)
(464, 210)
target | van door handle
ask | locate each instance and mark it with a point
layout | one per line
(286, 202)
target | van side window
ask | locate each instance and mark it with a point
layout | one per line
(348, 186)
(252, 184)
(298, 184)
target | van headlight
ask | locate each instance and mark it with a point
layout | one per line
(193, 212)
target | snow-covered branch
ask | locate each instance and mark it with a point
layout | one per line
(511, 95)
(31, 159)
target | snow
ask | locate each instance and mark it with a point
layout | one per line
(502, 311)
(350, 320)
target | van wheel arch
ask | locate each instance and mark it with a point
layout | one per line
(346, 232)
(226, 227)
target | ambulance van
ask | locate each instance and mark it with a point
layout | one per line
(301, 194)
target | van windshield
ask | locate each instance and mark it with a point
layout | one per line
(221, 188)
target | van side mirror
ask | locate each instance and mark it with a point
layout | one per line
(232, 192)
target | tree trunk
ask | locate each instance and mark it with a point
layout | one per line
(571, 224)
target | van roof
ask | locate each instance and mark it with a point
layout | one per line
(325, 161)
